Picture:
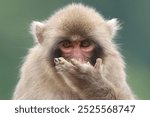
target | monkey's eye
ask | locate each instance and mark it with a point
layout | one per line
(86, 43)
(66, 44)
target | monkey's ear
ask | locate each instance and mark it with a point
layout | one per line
(114, 26)
(37, 29)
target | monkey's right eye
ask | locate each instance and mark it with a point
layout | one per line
(66, 44)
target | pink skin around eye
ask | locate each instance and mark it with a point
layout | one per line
(77, 52)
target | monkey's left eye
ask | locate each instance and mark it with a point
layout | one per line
(86, 43)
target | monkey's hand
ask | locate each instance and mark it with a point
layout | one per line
(85, 79)
(74, 70)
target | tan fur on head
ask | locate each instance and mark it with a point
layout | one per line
(72, 18)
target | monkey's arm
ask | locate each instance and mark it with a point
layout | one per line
(86, 80)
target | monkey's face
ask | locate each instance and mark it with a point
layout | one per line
(79, 49)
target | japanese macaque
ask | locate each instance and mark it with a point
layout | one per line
(74, 57)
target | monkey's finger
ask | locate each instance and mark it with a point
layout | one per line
(76, 63)
(98, 64)
(56, 61)
(59, 60)
(88, 63)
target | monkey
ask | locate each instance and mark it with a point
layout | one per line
(74, 57)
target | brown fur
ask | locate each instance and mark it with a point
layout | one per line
(40, 79)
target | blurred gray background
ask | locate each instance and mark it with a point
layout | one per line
(134, 38)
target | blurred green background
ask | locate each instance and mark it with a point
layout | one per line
(134, 38)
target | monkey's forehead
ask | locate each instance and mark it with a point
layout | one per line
(75, 18)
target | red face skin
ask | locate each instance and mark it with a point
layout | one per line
(80, 50)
